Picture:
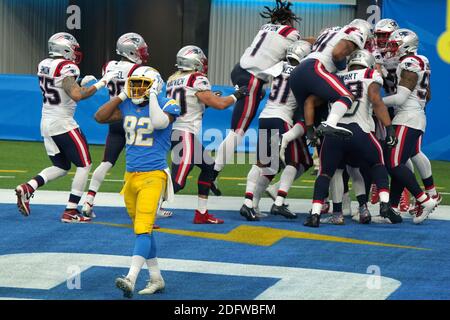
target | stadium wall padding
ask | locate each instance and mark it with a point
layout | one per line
(21, 104)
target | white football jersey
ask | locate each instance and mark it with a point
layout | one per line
(58, 107)
(412, 112)
(183, 87)
(389, 69)
(124, 69)
(323, 47)
(358, 82)
(268, 49)
(281, 103)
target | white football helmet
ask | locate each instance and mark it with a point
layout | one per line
(362, 58)
(192, 58)
(403, 42)
(383, 30)
(64, 45)
(365, 28)
(297, 51)
(133, 47)
(139, 84)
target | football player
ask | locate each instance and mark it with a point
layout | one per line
(275, 120)
(134, 52)
(147, 120)
(260, 61)
(315, 75)
(365, 84)
(64, 141)
(191, 88)
(410, 121)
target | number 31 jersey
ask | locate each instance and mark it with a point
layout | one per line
(281, 103)
(58, 107)
(358, 82)
(183, 87)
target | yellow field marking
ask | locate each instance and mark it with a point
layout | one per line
(13, 171)
(264, 236)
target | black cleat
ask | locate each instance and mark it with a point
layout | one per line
(214, 189)
(283, 211)
(249, 213)
(386, 211)
(312, 221)
(328, 130)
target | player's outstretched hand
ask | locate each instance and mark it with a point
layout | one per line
(87, 79)
(311, 136)
(241, 92)
(108, 77)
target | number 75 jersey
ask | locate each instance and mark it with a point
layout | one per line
(358, 82)
(58, 107)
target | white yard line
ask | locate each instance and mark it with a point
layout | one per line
(105, 199)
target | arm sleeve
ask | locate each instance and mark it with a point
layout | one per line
(399, 98)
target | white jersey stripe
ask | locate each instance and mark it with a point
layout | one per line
(185, 162)
(335, 84)
(76, 137)
(401, 141)
(378, 146)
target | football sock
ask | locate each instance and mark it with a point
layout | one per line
(78, 185)
(337, 186)
(99, 176)
(261, 185)
(338, 109)
(202, 204)
(142, 248)
(286, 181)
(423, 165)
(226, 150)
(252, 179)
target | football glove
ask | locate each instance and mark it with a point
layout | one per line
(106, 79)
(241, 92)
(311, 135)
(87, 79)
(391, 139)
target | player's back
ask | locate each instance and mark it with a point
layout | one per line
(281, 103)
(183, 87)
(358, 82)
(124, 70)
(58, 107)
(268, 48)
(326, 42)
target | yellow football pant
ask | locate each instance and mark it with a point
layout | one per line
(142, 193)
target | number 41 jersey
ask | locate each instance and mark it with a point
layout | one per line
(58, 107)
(358, 82)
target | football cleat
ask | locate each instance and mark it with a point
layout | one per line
(24, 192)
(375, 197)
(404, 201)
(154, 286)
(248, 213)
(74, 216)
(424, 210)
(336, 219)
(260, 214)
(328, 130)
(88, 211)
(364, 215)
(386, 211)
(437, 197)
(126, 286)
(312, 221)
(283, 211)
(206, 218)
(163, 213)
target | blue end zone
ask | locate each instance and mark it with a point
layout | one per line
(424, 274)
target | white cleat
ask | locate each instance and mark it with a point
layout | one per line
(126, 286)
(154, 286)
(163, 213)
(424, 210)
(88, 210)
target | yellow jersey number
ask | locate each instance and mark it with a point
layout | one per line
(140, 136)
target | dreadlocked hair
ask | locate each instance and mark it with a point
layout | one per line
(281, 13)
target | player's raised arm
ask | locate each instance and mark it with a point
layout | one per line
(77, 93)
(221, 103)
(109, 112)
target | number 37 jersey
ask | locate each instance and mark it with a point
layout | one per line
(58, 107)
(358, 82)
